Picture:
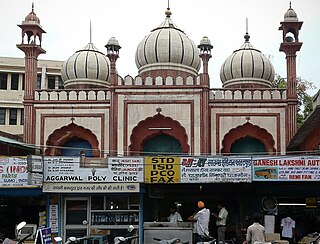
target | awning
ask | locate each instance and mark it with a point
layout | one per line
(21, 192)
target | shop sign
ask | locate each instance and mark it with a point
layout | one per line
(13, 172)
(218, 169)
(53, 217)
(296, 168)
(70, 169)
(91, 187)
(162, 169)
(45, 236)
(35, 164)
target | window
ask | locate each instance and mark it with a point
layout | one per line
(23, 81)
(38, 85)
(2, 116)
(3, 81)
(61, 86)
(13, 116)
(14, 81)
(51, 82)
(22, 117)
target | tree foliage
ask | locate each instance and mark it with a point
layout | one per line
(304, 99)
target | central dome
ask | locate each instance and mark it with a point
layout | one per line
(167, 48)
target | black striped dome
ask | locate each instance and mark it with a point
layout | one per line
(167, 47)
(87, 67)
(247, 65)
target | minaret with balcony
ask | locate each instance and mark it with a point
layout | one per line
(31, 46)
(205, 48)
(290, 46)
(113, 48)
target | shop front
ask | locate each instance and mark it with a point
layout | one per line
(93, 199)
(19, 201)
(272, 186)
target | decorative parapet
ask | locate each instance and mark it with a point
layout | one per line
(158, 81)
(72, 95)
(248, 94)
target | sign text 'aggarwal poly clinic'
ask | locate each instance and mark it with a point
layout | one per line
(162, 169)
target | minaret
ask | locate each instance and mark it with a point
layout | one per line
(205, 54)
(290, 45)
(31, 46)
(113, 48)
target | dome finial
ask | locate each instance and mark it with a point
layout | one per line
(90, 33)
(32, 8)
(168, 11)
(247, 36)
(290, 4)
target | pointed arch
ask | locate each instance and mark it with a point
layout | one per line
(152, 126)
(246, 130)
(66, 133)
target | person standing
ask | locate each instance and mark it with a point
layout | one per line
(221, 222)
(256, 231)
(174, 216)
(201, 227)
(288, 226)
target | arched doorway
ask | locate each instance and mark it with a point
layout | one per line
(73, 136)
(256, 137)
(75, 147)
(146, 135)
(248, 145)
(161, 144)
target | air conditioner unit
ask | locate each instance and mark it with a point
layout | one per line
(26, 230)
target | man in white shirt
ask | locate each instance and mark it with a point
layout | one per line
(221, 222)
(201, 226)
(175, 215)
(256, 231)
(288, 226)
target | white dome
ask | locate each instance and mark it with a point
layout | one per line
(86, 68)
(167, 47)
(247, 67)
(290, 15)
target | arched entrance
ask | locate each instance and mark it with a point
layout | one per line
(161, 144)
(151, 135)
(258, 140)
(75, 147)
(74, 136)
(247, 145)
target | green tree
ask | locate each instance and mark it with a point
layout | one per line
(304, 99)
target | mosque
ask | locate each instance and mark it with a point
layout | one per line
(167, 108)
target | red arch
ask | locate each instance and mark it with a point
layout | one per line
(64, 134)
(141, 133)
(251, 130)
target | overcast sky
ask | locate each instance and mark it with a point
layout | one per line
(67, 23)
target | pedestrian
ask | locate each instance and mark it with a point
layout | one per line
(175, 215)
(201, 227)
(288, 226)
(221, 222)
(256, 231)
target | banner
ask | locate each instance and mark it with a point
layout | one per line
(293, 168)
(70, 169)
(65, 187)
(13, 172)
(214, 170)
(162, 169)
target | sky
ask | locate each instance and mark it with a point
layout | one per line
(67, 23)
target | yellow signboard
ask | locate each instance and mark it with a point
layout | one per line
(162, 169)
(311, 202)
